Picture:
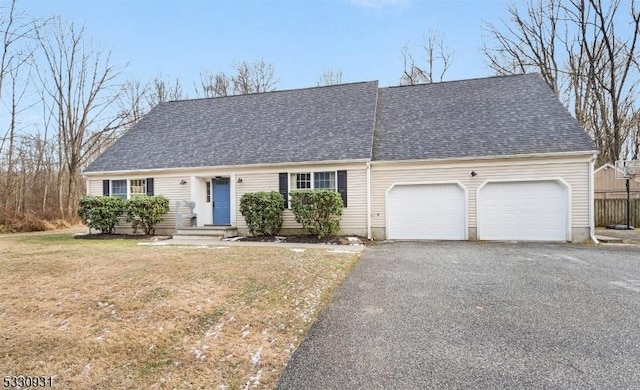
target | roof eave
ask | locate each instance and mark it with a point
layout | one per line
(585, 153)
(220, 167)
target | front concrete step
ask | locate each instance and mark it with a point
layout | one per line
(213, 232)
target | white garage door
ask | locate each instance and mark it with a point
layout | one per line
(529, 211)
(426, 212)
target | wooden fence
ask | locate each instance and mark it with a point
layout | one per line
(614, 211)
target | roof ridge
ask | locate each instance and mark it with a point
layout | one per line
(464, 80)
(274, 91)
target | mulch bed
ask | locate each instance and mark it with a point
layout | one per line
(116, 236)
(297, 239)
(307, 239)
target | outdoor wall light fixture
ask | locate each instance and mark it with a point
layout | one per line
(183, 182)
(239, 180)
(474, 173)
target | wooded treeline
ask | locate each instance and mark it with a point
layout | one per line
(588, 53)
(64, 101)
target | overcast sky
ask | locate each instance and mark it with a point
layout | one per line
(362, 38)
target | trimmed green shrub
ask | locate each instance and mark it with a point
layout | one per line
(146, 211)
(101, 212)
(319, 211)
(262, 211)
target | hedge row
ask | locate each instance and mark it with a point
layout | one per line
(262, 211)
(318, 211)
(142, 212)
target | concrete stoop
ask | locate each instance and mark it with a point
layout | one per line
(214, 233)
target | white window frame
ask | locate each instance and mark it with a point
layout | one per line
(335, 180)
(144, 187)
(293, 180)
(128, 195)
(126, 188)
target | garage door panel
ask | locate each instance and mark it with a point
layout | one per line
(535, 211)
(427, 211)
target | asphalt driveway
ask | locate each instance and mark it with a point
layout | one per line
(446, 315)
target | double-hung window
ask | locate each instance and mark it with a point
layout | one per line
(313, 181)
(119, 188)
(326, 180)
(137, 187)
(127, 188)
(302, 181)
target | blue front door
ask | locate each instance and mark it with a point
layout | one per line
(221, 201)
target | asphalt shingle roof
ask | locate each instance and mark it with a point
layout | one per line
(495, 116)
(313, 124)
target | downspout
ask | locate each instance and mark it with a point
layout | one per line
(592, 223)
(193, 198)
(373, 137)
(369, 235)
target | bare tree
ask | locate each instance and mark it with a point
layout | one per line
(46, 150)
(613, 63)
(214, 85)
(330, 77)
(132, 103)
(584, 57)
(254, 77)
(17, 35)
(437, 61)
(248, 77)
(632, 146)
(528, 43)
(15, 29)
(79, 90)
(17, 92)
(163, 89)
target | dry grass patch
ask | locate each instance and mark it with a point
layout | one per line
(111, 314)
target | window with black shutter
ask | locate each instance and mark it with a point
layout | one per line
(284, 187)
(342, 186)
(105, 187)
(326, 180)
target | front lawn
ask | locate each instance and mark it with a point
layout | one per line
(112, 314)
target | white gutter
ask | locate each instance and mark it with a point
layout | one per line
(369, 235)
(480, 158)
(592, 223)
(231, 168)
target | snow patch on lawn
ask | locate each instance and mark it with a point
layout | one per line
(255, 357)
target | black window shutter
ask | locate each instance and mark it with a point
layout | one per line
(105, 187)
(284, 187)
(342, 186)
(150, 186)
